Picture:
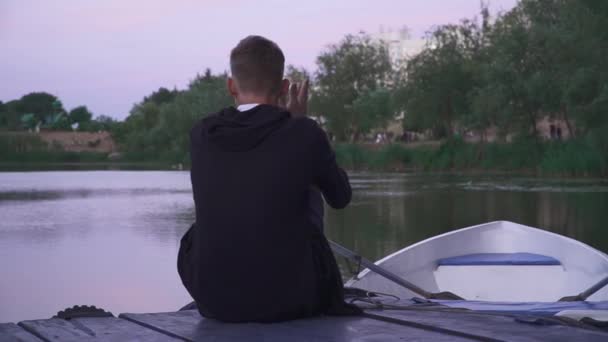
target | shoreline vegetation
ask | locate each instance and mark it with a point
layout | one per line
(551, 159)
(527, 89)
(571, 158)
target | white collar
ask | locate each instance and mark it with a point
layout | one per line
(247, 106)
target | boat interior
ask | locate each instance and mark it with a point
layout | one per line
(497, 261)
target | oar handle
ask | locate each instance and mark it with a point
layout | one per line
(588, 292)
(593, 289)
(377, 269)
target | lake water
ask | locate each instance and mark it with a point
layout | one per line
(110, 238)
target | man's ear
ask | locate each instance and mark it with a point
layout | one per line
(231, 85)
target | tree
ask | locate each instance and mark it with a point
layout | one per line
(162, 95)
(434, 90)
(100, 123)
(3, 115)
(373, 109)
(60, 122)
(106, 123)
(578, 30)
(29, 121)
(545, 59)
(160, 131)
(346, 71)
(80, 115)
(41, 104)
(12, 118)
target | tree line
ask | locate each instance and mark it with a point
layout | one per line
(540, 59)
(41, 110)
(543, 58)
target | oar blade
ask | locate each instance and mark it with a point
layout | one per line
(576, 298)
(446, 295)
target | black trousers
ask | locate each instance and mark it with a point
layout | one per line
(327, 274)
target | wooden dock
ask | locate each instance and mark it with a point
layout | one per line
(415, 324)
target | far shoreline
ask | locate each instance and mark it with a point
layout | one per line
(160, 166)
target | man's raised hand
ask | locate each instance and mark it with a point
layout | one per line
(297, 102)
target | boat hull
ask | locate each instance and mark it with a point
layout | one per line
(579, 266)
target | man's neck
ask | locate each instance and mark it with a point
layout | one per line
(249, 99)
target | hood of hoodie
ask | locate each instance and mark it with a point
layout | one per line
(235, 131)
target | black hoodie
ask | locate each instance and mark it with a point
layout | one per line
(254, 253)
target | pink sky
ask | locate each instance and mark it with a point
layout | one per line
(108, 54)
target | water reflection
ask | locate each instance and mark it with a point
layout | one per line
(387, 215)
(110, 238)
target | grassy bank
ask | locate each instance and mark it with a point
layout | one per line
(30, 149)
(20, 152)
(580, 157)
(570, 158)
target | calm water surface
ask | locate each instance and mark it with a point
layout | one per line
(110, 238)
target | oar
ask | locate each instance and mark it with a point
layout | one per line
(588, 292)
(347, 253)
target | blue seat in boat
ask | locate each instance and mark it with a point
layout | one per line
(495, 259)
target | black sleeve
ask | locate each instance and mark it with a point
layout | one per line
(330, 178)
(195, 163)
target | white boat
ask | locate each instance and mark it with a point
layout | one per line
(498, 261)
(490, 262)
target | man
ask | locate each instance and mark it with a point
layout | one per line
(257, 252)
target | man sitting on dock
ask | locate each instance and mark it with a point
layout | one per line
(256, 252)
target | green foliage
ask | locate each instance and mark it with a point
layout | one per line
(33, 110)
(436, 83)
(12, 144)
(541, 59)
(346, 71)
(351, 156)
(60, 122)
(29, 121)
(80, 115)
(574, 158)
(100, 123)
(159, 132)
(162, 95)
(571, 158)
(373, 109)
(385, 158)
(455, 154)
(42, 105)
(3, 114)
(29, 148)
(11, 117)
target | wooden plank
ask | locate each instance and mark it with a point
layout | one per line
(10, 332)
(190, 326)
(54, 329)
(492, 326)
(92, 329)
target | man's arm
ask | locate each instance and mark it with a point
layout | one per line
(330, 178)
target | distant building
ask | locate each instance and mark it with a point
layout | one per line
(401, 44)
(401, 47)
(547, 128)
(553, 129)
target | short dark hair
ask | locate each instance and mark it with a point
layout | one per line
(257, 64)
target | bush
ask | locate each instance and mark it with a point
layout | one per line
(570, 158)
(574, 158)
(21, 148)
